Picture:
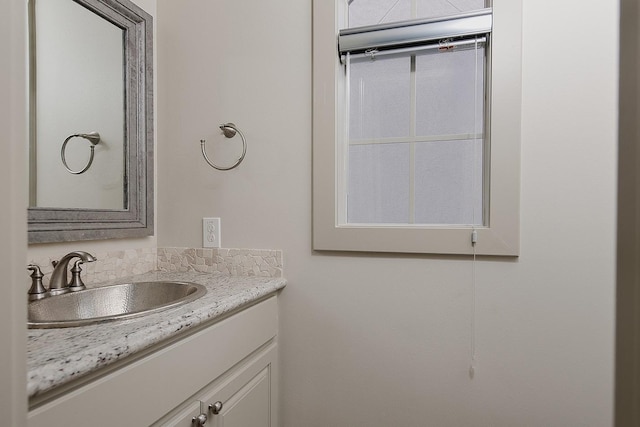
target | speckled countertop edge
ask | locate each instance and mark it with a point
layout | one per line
(57, 356)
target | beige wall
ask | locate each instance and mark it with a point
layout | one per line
(381, 340)
(13, 193)
(377, 340)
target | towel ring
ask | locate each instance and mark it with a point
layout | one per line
(229, 130)
(92, 137)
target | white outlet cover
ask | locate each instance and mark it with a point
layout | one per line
(211, 233)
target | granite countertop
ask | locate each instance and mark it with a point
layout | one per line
(57, 356)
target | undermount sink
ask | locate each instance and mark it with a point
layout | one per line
(116, 302)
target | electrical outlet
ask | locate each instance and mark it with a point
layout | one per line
(211, 232)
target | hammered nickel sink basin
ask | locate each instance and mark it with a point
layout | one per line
(116, 302)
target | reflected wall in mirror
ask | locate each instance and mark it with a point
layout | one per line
(78, 87)
(90, 71)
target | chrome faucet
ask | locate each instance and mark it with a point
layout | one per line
(58, 283)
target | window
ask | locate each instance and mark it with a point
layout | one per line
(403, 158)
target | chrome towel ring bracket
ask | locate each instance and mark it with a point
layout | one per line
(229, 130)
(92, 137)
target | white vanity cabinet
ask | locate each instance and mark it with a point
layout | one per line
(232, 363)
(244, 397)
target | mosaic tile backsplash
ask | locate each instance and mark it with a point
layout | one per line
(110, 265)
(233, 262)
(115, 264)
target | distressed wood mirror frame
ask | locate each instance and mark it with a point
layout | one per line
(136, 220)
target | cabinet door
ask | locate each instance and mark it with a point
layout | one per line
(183, 418)
(246, 407)
(245, 398)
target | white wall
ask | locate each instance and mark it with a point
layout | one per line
(382, 340)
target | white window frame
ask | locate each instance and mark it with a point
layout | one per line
(500, 236)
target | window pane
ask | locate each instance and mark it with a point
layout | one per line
(416, 136)
(428, 168)
(450, 92)
(448, 182)
(378, 183)
(372, 12)
(380, 94)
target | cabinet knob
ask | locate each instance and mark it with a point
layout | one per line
(200, 420)
(215, 408)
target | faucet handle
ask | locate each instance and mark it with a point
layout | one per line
(37, 290)
(76, 283)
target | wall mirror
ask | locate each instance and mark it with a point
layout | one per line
(91, 120)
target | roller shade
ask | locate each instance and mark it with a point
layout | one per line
(414, 32)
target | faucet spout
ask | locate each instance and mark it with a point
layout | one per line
(58, 284)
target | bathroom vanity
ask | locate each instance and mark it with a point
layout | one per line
(210, 362)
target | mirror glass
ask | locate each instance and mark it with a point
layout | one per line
(79, 88)
(91, 120)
